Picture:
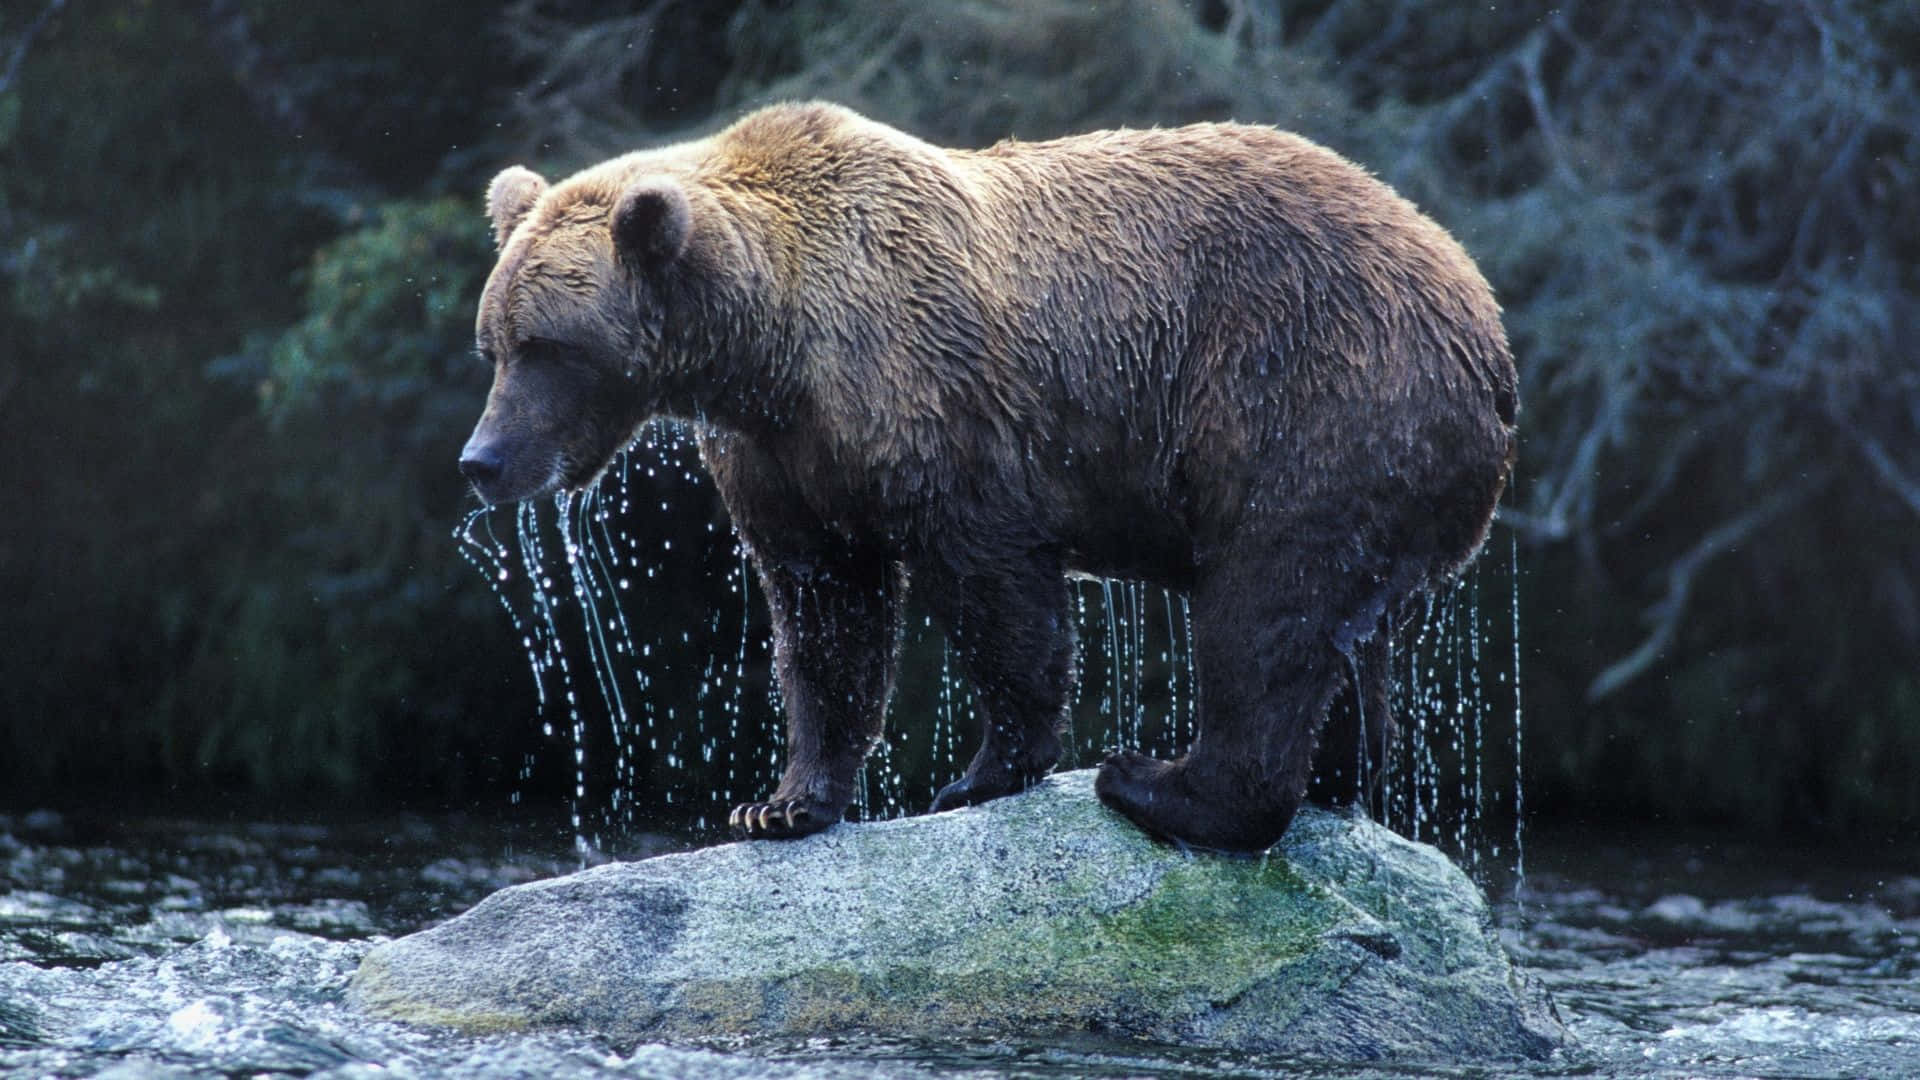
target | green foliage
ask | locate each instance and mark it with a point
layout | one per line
(237, 372)
(367, 398)
(389, 314)
(117, 282)
(209, 592)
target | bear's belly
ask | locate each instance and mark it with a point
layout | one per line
(1137, 547)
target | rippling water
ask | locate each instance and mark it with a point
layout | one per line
(179, 948)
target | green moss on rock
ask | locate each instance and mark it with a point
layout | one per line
(1034, 914)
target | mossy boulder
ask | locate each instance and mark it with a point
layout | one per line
(1041, 913)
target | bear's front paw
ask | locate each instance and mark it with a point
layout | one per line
(784, 819)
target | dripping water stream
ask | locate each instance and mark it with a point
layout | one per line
(677, 734)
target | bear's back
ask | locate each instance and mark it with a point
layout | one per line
(1228, 221)
(1200, 291)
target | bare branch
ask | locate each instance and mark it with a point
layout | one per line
(1670, 611)
(1886, 468)
(1529, 60)
(26, 41)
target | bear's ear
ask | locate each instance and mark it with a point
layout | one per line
(651, 222)
(509, 197)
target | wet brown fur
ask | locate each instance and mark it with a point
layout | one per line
(1217, 357)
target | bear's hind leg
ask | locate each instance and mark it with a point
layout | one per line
(836, 634)
(1015, 641)
(1352, 759)
(1267, 669)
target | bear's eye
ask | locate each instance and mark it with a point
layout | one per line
(543, 351)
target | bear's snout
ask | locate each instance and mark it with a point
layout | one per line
(481, 464)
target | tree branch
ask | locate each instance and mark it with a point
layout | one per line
(26, 41)
(1668, 613)
(1536, 89)
(1885, 467)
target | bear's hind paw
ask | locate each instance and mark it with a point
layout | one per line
(972, 790)
(1162, 799)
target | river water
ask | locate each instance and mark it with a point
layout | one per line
(177, 948)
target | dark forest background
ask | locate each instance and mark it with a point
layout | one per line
(240, 244)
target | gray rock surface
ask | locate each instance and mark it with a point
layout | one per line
(1041, 913)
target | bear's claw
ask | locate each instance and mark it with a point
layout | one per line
(785, 818)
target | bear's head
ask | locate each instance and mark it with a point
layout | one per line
(571, 322)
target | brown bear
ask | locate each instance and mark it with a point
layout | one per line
(1219, 358)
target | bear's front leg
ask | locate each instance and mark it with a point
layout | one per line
(1008, 622)
(836, 634)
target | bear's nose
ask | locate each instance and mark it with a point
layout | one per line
(480, 465)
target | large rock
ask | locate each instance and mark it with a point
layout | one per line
(1033, 914)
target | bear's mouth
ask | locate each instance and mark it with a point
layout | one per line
(573, 476)
(512, 481)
